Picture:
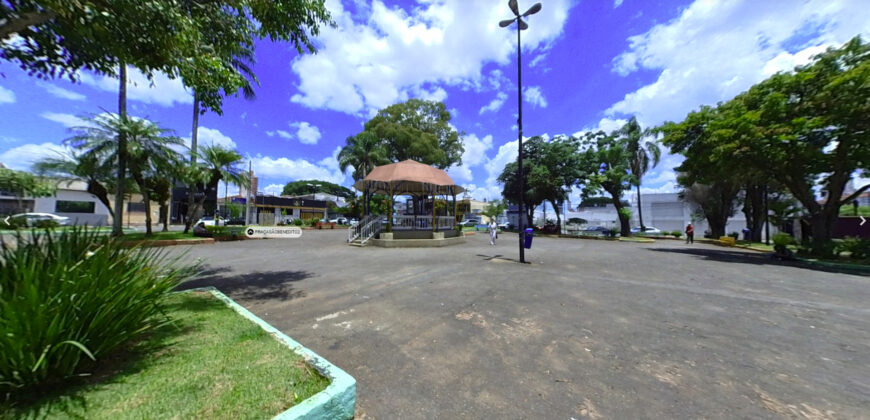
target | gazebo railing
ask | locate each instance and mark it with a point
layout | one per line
(422, 222)
(365, 229)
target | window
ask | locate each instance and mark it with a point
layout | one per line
(74, 206)
(140, 207)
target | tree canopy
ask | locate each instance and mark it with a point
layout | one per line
(420, 130)
(806, 130)
(23, 184)
(308, 186)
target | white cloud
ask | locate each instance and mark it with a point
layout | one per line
(496, 103)
(391, 54)
(668, 187)
(284, 134)
(715, 49)
(537, 60)
(161, 91)
(23, 157)
(534, 96)
(270, 133)
(67, 120)
(211, 137)
(6, 96)
(617, 3)
(273, 189)
(786, 61)
(307, 133)
(60, 92)
(284, 169)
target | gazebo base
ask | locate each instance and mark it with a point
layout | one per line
(418, 239)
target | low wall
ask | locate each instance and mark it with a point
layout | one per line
(441, 239)
(422, 234)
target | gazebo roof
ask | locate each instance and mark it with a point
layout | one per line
(408, 177)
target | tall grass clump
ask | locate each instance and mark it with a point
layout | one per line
(68, 298)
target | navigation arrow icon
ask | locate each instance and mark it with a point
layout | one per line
(863, 220)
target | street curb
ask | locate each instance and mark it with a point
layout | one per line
(854, 268)
(337, 401)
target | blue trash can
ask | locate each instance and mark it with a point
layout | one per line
(528, 238)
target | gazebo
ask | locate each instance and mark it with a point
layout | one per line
(424, 184)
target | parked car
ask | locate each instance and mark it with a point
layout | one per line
(339, 220)
(649, 230)
(210, 221)
(600, 230)
(237, 221)
(468, 223)
(353, 222)
(31, 219)
(506, 225)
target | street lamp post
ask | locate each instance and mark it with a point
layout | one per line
(521, 25)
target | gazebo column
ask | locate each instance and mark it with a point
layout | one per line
(455, 207)
(434, 225)
(390, 212)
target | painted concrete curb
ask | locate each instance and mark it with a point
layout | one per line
(337, 401)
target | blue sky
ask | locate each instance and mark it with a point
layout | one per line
(587, 65)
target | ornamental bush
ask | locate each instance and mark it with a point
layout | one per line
(70, 298)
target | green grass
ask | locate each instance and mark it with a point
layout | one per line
(156, 236)
(636, 239)
(848, 210)
(209, 363)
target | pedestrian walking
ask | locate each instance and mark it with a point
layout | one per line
(493, 232)
(690, 234)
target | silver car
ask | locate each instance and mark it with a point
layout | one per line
(31, 219)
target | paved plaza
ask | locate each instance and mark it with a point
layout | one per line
(589, 329)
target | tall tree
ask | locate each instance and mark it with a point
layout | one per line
(218, 164)
(363, 152)
(644, 155)
(307, 186)
(152, 156)
(96, 172)
(420, 130)
(607, 164)
(550, 170)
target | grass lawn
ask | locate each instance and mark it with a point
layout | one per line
(209, 363)
(156, 236)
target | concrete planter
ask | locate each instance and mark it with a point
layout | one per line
(337, 401)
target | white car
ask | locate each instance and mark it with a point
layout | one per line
(649, 230)
(31, 219)
(210, 221)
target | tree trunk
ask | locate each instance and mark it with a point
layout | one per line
(624, 220)
(640, 211)
(99, 191)
(146, 198)
(558, 215)
(164, 210)
(117, 218)
(193, 147)
(753, 209)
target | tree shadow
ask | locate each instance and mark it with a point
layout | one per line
(256, 285)
(755, 258)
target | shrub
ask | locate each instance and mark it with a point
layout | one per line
(70, 298)
(782, 239)
(13, 223)
(226, 233)
(298, 222)
(46, 224)
(312, 222)
(734, 235)
(677, 233)
(857, 248)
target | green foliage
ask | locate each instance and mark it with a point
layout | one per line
(625, 212)
(363, 152)
(734, 235)
(858, 248)
(218, 164)
(312, 222)
(69, 298)
(226, 232)
(417, 129)
(298, 222)
(308, 186)
(494, 209)
(46, 224)
(677, 233)
(806, 130)
(606, 164)
(550, 170)
(235, 210)
(782, 239)
(59, 38)
(23, 184)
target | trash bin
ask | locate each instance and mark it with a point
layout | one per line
(528, 238)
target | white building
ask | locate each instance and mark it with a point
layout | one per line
(71, 199)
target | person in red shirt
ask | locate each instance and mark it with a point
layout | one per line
(690, 234)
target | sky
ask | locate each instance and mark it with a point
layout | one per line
(587, 65)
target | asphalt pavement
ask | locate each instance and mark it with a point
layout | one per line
(588, 329)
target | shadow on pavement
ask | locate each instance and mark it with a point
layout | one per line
(749, 258)
(253, 285)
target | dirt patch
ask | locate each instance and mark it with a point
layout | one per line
(794, 411)
(587, 409)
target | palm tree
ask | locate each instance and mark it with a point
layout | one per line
(97, 174)
(363, 151)
(146, 150)
(241, 63)
(642, 152)
(218, 164)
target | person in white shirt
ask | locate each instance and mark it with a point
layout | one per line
(493, 232)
